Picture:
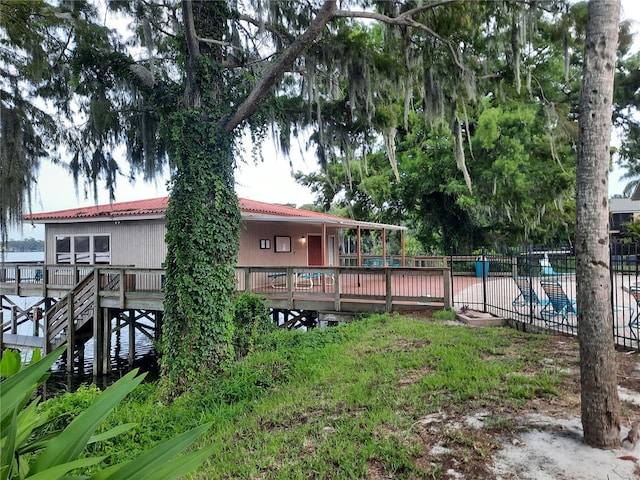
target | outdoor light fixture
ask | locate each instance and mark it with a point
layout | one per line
(303, 239)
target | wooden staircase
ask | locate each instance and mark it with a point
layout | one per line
(70, 320)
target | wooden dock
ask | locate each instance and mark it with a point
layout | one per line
(82, 303)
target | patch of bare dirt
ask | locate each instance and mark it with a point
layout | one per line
(541, 440)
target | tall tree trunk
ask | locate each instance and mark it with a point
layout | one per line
(203, 217)
(600, 403)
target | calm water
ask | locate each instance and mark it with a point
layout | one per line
(13, 257)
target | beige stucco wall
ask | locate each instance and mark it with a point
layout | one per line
(253, 232)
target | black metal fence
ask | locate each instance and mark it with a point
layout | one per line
(537, 286)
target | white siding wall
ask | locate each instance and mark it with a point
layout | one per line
(140, 243)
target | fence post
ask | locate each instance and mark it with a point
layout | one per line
(451, 276)
(485, 276)
(530, 275)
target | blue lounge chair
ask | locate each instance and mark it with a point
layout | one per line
(546, 269)
(561, 310)
(527, 296)
(634, 322)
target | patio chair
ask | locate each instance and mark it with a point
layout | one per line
(634, 322)
(560, 307)
(546, 269)
(527, 296)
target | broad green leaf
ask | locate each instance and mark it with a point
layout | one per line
(8, 447)
(73, 439)
(17, 390)
(57, 471)
(114, 432)
(181, 466)
(151, 462)
(10, 363)
(36, 356)
(28, 419)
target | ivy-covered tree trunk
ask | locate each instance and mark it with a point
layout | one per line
(203, 217)
(203, 221)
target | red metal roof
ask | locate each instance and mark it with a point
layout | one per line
(158, 207)
(152, 206)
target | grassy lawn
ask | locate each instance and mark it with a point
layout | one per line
(384, 397)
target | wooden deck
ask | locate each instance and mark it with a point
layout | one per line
(344, 289)
(91, 298)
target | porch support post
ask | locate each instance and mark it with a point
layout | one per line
(384, 247)
(324, 244)
(359, 245)
(403, 237)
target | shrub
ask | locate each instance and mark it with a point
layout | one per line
(62, 409)
(28, 450)
(251, 320)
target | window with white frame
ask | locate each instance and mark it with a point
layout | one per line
(83, 249)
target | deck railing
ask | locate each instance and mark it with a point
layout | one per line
(322, 288)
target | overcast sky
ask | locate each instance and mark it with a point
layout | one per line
(268, 181)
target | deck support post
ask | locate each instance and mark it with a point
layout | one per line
(159, 316)
(14, 320)
(96, 340)
(81, 357)
(105, 358)
(132, 336)
(97, 320)
(71, 332)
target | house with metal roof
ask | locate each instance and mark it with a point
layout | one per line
(132, 234)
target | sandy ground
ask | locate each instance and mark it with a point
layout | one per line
(553, 449)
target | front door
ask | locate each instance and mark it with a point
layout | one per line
(315, 250)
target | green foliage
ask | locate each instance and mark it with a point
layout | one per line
(251, 320)
(31, 449)
(338, 400)
(10, 363)
(203, 222)
(62, 409)
(445, 314)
